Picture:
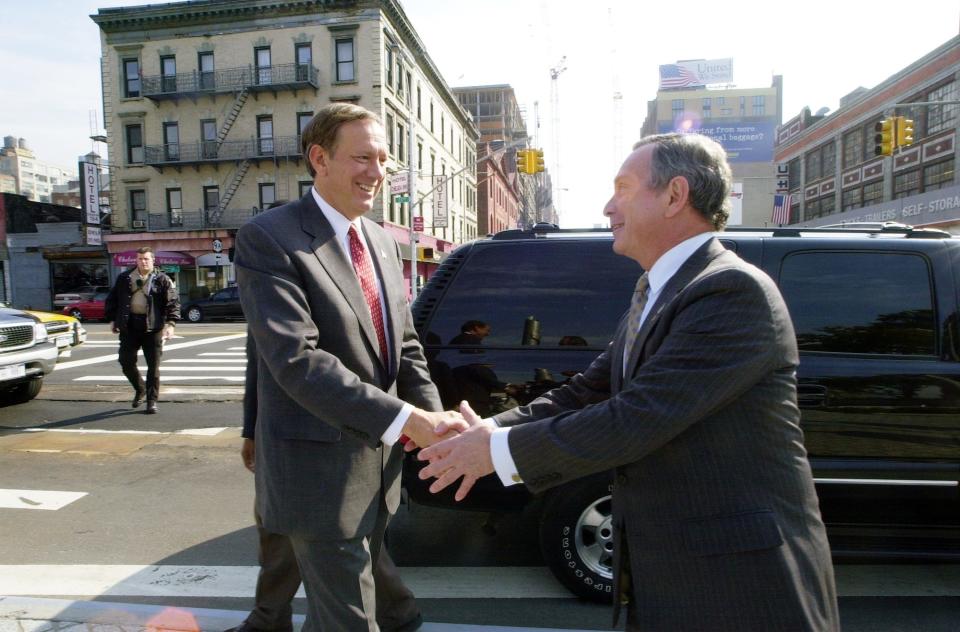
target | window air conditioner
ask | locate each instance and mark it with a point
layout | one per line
(139, 223)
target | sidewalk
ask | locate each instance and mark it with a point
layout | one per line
(29, 614)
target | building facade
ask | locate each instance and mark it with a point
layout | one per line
(834, 174)
(499, 202)
(204, 102)
(744, 122)
(32, 178)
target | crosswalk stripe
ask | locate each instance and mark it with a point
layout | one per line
(37, 499)
(222, 353)
(196, 368)
(113, 357)
(165, 378)
(193, 432)
(205, 360)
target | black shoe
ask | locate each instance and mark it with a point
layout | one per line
(151, 408)
(137, 399)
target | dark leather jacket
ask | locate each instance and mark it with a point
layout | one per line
(163, 302)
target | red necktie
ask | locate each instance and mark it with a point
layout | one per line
(363, 266)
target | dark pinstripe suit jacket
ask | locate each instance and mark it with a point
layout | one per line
(713, 500)
(323, 397)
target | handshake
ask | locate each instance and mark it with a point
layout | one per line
(456, 443)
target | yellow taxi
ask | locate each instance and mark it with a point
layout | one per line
(66, 331)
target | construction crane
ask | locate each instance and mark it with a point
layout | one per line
(555, 111)
(617, 148)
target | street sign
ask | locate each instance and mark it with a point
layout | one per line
(418, 224)
(217, 245)
(401, 199)
(399, 183)
(440, 201)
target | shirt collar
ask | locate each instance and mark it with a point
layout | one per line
(341, 225)
(671, 261)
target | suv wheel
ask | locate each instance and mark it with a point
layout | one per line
(24, 392)
(576, 537)
(194, 314)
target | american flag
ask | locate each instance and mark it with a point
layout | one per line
(677, 76)
(781, 208)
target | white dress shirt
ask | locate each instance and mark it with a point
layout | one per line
(341, 227)
(660, 273)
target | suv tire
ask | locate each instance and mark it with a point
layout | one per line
(576, 537)
(195, 314)
(76, 313)
(24, 392)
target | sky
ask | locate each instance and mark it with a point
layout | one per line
(824, 49)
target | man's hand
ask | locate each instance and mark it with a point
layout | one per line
(114, 328)
(425, 428)
(167, 331)
(466, 455)
(247, 453)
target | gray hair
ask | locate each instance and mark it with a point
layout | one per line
(699, 159)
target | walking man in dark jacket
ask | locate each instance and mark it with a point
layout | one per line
(143, 307)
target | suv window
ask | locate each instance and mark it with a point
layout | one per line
(860, 302)
(575, 291)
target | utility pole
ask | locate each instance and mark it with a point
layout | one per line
(411, 175)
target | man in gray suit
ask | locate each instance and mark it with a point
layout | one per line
(717, 523)
(340, 375)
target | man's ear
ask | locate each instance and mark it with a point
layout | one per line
(319, 159)
(679, 191)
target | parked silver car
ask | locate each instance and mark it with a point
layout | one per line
(27, 354)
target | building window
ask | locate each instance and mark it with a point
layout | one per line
(853, 147)
(400, 138)
(906, 184)
(399, 79)
(721, 100)
(828, 205)
(852, 198)
(208, 138)
(676, 108)
(303, 53)
(419, 98)
(304, 187)
(743, 106)
(938, 175)
(265, 135)
(389, 60)
(268, 194)
(706, 107)
(345, 58)
(134, 144)
(171, 141)
(211, 198)
(131, 77)
(419, 155)
(873, 193)
(261, 60)
(794, 176)
(759, 105)
(303, 118)
(431, 116)
(175, 207)
(941, 117)
(138, 208)
(813, 165)
(168, 73)
(390, 132)
(205, 63)
(443, 130)
(829, 166)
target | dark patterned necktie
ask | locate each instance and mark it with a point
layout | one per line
(640, 295)
(363, 266)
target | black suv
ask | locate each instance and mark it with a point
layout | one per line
(224, 303)
(876, 316)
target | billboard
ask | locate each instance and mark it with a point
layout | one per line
(693, 73)
(90, 192)
(744, 141)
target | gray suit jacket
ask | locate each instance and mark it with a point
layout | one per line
(716, 517)
(323, 396)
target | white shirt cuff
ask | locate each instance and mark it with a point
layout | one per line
(395, 429)
(502, 461)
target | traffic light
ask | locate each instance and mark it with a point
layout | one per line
(523, 160)
(537, 160)
(904, 131)
(885, 138)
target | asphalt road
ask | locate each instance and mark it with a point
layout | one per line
(158, 509)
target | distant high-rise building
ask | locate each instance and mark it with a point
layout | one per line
(33, 177)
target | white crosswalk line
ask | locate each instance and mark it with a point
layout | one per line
(166, 379)
(37, 499)
(113, 357)
(222, 353)
(195, 432)
(195, 368)
(205, 360)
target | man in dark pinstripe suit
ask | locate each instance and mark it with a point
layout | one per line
(717, 523)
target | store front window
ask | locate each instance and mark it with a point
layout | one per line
(71, 275)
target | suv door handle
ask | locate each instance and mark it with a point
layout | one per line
(811, 395)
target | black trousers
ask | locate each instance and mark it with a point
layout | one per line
(135, 338)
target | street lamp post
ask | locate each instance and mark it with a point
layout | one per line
(411, 177)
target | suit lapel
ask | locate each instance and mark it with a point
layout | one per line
(338, 266)
(690, 269)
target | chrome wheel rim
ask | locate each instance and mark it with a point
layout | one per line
(594, 537)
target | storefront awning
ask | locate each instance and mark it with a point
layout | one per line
(129, 258)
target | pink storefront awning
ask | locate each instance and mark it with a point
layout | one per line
(129, 258)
